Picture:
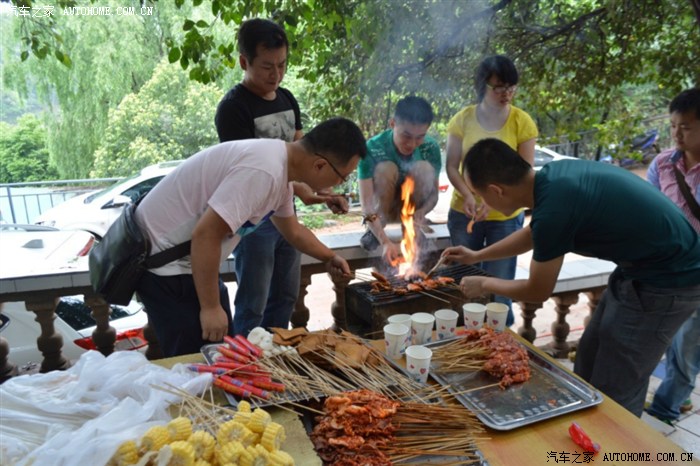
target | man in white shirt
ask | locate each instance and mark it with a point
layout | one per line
(219, 195)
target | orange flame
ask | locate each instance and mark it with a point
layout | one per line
(408, 243)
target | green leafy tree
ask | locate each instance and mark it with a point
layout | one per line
(96, 60)
(170, 118)
(583, 62)
(24, 155)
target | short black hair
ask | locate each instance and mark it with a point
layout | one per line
(415, 110)
(498, 65)
(260, 31)
(337, 138)
(493, 161)
(686, 102)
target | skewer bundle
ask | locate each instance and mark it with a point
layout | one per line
(373, 429)
(484, 349)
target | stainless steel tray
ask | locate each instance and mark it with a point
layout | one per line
(276, 398)
(550, 392)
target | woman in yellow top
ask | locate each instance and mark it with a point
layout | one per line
(492, 117)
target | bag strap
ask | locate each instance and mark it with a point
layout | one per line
(168, 255)
(685, 191)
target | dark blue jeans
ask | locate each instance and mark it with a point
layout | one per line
(627, 336)
(173, 311)
(268, 271)
(485, 234)
(682, 367)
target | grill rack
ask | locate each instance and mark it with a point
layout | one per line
(363, 289)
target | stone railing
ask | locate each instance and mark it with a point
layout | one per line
(40, 294)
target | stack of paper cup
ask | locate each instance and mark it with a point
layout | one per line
(445, 323)
(418, 362)
(404, 319)
(395, 339)
(422, 328)
(473, 315)
(496, 315)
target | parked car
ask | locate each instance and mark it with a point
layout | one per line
(97, 210)
(29, 250)
(74, 324)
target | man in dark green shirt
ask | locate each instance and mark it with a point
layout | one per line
(402, 151)
(602, 211)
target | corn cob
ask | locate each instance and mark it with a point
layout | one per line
(126, 454)
(182, 453)
(242, 417)
(273, 436)
(201, 462)
(154, 439)
(259, 420)
(281, 458)
(203, 443)
(180, 428)
(244, 407)
(231, 430)
(254, 456)
(229, 453)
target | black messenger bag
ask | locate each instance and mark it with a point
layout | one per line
(119, 260)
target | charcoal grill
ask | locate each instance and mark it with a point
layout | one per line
(366, 312)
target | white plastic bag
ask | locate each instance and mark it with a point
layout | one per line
(81, 415)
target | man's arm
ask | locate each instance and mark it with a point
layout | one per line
(653, 173)
(305, 241)
(526, 150)
(205, 254)
(391, 251)
(512, 245)
(536, 288)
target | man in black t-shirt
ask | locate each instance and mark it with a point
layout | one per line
(267, 267)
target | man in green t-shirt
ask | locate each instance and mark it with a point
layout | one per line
(404, 150)
(603, 211)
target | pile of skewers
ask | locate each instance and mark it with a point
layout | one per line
(363, 427)
(484, 349)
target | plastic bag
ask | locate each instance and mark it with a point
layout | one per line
(81, 415)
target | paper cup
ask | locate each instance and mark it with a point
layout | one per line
(395, 340)
(496, 315)
(422, 328)
(474, 314)
(445, 323)
(418, 362)
(402, 319)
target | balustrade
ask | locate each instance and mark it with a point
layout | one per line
(42, 300)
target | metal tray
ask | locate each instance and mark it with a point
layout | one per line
(276, 398)
(550, 392)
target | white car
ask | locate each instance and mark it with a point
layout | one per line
(74, 324)
(96, 211)
(31, 250)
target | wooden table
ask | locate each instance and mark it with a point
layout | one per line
(547, 442)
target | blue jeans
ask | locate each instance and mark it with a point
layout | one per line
(485, 234)
(682, 366)
(268, 271)
(172, 307)
(630, 329)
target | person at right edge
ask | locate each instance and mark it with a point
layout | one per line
(471, 222)
(676, 173)
(595, 210)
(268, 268)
